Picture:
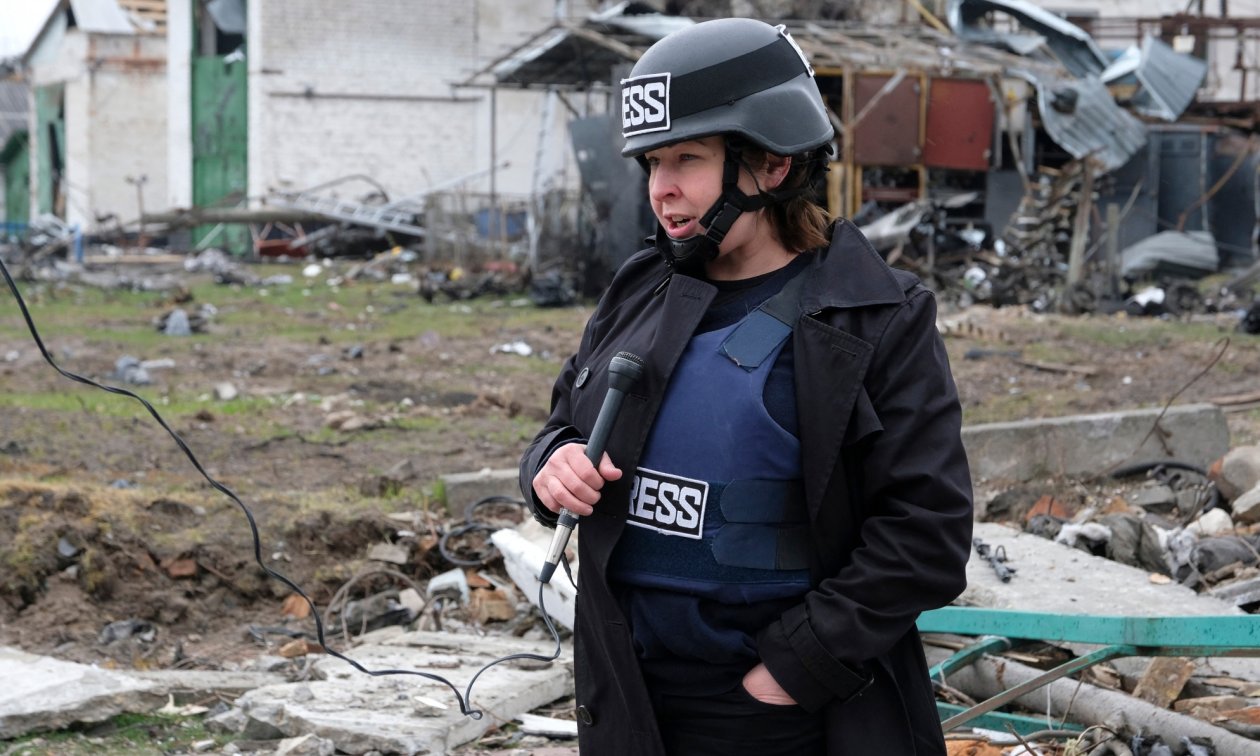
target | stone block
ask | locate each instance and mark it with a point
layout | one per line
(1093, 444)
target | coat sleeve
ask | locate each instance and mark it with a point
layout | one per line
(557, 431)
(911, 484)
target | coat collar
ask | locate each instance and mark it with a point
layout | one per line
(849, 273)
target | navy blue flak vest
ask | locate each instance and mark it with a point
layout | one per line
(717, 507)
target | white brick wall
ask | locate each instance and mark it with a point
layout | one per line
(115, 97)
(178, 107)
(340, 88)
(128, 130)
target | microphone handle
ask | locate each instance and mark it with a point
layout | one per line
(594, 452)
(603, 425)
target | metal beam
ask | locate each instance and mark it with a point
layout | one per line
(1211, 635)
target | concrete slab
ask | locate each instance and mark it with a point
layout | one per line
(41, 693)
(465, 489)
(404, 713)
(188, 685)
(1052, 577)
(524, 550)
(1090, 444)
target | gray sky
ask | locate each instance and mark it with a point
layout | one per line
(19, 20)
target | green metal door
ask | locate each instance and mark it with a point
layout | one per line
(220, 145)
(50, 146)
(15, 162)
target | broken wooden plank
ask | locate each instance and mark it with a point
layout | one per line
(1237, 402)
(1163, 680)
(1059, 367)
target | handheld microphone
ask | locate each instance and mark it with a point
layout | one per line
(624, 370)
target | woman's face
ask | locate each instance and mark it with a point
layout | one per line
(685, 179)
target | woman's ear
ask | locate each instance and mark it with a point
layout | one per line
(776, 170)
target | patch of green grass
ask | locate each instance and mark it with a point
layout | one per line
(125, 407)
(1001, 408)
(519, 431)
(1047, 351)
(422, 423)
(124, 735)
(309, 309)
(82, 309)
(1134, 333)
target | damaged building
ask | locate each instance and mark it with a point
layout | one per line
(97, 75)
(214, 119)
(1008, 152)
(342, 112)
(990, 141)
(14, 155)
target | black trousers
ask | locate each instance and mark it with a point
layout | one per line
(736, 724)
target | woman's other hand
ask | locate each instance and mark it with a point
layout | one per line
(569, 481)
(762, 686)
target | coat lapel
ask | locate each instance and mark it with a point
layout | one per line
(830, 368)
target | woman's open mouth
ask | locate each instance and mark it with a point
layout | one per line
(680, 226)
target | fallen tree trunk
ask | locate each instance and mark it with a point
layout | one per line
(207, 215)
(1085, 703)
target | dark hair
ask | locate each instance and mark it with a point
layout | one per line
(795, 215)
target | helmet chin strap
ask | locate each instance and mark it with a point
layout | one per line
(689, 255)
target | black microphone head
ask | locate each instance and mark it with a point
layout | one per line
(624, 370)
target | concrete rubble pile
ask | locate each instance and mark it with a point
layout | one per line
(1198, 527)
(1171, 538)
(1029, 262)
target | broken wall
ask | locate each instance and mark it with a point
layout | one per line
(113, 97)
(128, 136)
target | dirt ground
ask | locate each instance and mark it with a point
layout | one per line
(103, 520)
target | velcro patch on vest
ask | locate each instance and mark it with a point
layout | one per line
(645, 104)
(668, 504)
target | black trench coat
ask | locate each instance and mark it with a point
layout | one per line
(886, 481)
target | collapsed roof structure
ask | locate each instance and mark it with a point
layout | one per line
(965, 116)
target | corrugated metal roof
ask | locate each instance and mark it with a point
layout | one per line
(583, 56)
(105, 16)
(832, 45)
(1082, 117)
(1079, 114)
(94, 16)
(1169, 80)
(1069, 44)
(565, 55)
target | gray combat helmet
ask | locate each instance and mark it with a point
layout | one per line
(727, 76)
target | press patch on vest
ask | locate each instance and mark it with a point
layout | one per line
(645, 104)
(668, 504)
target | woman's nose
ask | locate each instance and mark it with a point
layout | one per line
(661, 184)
